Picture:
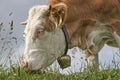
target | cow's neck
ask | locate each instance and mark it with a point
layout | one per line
(76, 34)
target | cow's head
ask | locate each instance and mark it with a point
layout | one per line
(43, 41)
(54, 15)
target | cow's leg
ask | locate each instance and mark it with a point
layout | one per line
(92, 60)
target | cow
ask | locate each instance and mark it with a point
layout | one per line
(45, 40)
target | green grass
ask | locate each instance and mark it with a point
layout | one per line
(17, 74)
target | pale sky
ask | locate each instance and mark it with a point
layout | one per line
(19, 10)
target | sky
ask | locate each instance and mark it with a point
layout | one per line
(17, 10)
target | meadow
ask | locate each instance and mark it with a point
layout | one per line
(17, 74)
(11, 71)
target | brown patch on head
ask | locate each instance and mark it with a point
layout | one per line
(54, 17)
(48, 25)
(58, 13)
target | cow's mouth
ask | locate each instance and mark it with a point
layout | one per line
(27, 69)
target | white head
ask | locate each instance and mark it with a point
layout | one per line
(43, 41)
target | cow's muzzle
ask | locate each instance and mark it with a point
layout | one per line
(28, 69)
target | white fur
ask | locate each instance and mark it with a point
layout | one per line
(35, 13)
(41, 51)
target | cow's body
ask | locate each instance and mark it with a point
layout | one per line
(90, 25)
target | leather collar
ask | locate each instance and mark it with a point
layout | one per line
(67, 39)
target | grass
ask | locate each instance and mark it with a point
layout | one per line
(17, 74)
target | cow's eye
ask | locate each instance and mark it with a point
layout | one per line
(40, 31)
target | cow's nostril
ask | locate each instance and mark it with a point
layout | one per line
(28, 69)
(25, 66)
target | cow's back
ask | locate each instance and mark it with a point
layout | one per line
(103, 10)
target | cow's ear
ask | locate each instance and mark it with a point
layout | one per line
(24, 22)
(58, 13)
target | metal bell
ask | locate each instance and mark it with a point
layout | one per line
(64, 61)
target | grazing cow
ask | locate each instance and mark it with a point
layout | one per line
(45, 42)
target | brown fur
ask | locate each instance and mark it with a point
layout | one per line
(102, 10)
(105, 11)
(87, 53)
